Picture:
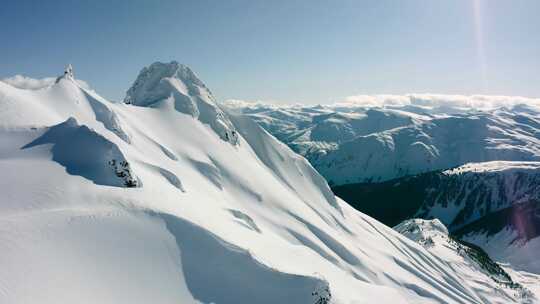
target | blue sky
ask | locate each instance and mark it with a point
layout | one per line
(286, 51)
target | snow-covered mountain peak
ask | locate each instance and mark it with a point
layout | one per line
(159, 80)
(174, 85)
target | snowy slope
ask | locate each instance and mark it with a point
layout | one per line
(374, 144)
(434, 236)
(150, 202)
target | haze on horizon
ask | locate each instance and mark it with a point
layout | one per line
(285, 51)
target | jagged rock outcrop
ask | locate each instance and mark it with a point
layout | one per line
(68, 74)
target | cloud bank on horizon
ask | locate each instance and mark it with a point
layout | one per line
(440, 101)
(479, 102)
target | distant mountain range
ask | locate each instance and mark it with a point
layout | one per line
(357, 144)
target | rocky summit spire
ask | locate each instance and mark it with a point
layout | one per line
(68, 73)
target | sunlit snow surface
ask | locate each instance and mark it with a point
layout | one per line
(212, 221)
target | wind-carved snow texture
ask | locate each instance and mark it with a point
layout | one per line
(167, 175)
(176, 84)
(85, 153)
(209, 171)
(245, 220)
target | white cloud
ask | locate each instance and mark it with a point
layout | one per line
(374, 100)
(432, 103)
(28, 83)
(472, 102)
(240, 104)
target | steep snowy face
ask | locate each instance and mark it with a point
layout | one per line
(359, 145)
(185, 217)
(175, 85)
